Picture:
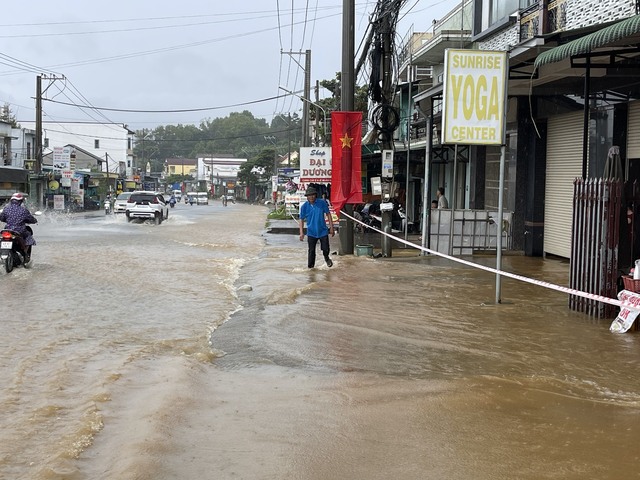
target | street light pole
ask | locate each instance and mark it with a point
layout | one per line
(324, 112)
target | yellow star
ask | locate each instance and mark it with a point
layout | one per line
(346, 141)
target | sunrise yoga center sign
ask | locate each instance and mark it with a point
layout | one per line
(474, 97)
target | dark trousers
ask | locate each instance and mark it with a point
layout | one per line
(324, 246)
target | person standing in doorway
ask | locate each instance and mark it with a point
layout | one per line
(442, 200)
(314, 211)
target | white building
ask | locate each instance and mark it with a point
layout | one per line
(218, 172)
(23, 141)
(112, 141)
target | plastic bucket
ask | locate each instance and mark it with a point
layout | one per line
(364, 250)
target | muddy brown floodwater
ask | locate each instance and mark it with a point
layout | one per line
(204, 348)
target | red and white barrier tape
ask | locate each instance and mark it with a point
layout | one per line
(591, 296)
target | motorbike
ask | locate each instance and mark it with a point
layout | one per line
(13, 250)
(172, 202)
(107, 207)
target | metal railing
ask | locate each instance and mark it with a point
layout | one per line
(531, 20)
(473, 231)
(594, 243)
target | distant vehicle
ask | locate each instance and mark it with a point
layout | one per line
(143, 204)
(192, 198)
(202, 198)
(231, 198)
(120, 205)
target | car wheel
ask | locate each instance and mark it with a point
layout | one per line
(128, 217)
(158, 218)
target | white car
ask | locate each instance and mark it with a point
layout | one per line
(120, 205)
(147, 205)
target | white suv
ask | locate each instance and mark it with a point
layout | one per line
(144, 205)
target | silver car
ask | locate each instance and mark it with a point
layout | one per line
(120, 205)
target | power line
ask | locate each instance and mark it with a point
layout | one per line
(163, 50)
(181, 110)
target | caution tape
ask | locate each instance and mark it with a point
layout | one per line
(591, 296)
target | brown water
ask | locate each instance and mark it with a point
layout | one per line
(380, 368)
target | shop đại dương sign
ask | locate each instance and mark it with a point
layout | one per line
(315, 166)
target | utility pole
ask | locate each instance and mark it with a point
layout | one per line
(307, 93)
(387, 136)
(38, 147)
(106, 161)
(38, 140)
(306, 142)
(347, 103)
(317, 92)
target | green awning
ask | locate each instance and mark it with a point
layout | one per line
(588, 43)
(370, 149)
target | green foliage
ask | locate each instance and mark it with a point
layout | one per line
(239, 135)
(6, 115)
(259, 168)
(171, 179)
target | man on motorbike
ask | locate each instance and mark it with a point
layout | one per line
(17, 216)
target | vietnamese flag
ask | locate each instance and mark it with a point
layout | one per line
(346, 157)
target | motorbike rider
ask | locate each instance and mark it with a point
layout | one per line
(16, 216)
(172, 200)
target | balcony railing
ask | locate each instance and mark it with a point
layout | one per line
(531, 19)
(557, 15)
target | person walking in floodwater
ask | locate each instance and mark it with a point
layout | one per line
(314, 211)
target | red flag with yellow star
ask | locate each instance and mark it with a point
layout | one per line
(346, 158)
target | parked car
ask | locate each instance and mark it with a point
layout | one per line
(143, 204)
(203, 198)
(120, 205)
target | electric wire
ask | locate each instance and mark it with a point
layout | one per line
(180, 110)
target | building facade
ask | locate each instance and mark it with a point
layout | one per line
(560, 53)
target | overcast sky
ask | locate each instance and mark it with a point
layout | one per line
(176, 55)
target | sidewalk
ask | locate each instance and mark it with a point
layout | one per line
(290, 227)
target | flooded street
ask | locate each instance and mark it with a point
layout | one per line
(204, 348)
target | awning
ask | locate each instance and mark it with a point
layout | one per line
(588, 43)
(13, 175)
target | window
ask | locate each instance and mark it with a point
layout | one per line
(96, 143)
(28, 149)
(501, 9)
(129, 143)
(46, 143)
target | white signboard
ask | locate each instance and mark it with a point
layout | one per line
(376, 186)
(62, 158)
(474, 97)
(75, 186)
(315, 165)
(626, 317)
(58, 202)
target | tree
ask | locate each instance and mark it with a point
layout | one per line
(258, 169)
(7, 115)
(231, 134)
(334, 103)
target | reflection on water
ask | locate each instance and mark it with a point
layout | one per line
(175, 350)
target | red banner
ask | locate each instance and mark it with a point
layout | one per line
(346, 158)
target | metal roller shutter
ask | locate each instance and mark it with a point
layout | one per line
(564, 165)
(633, 138)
